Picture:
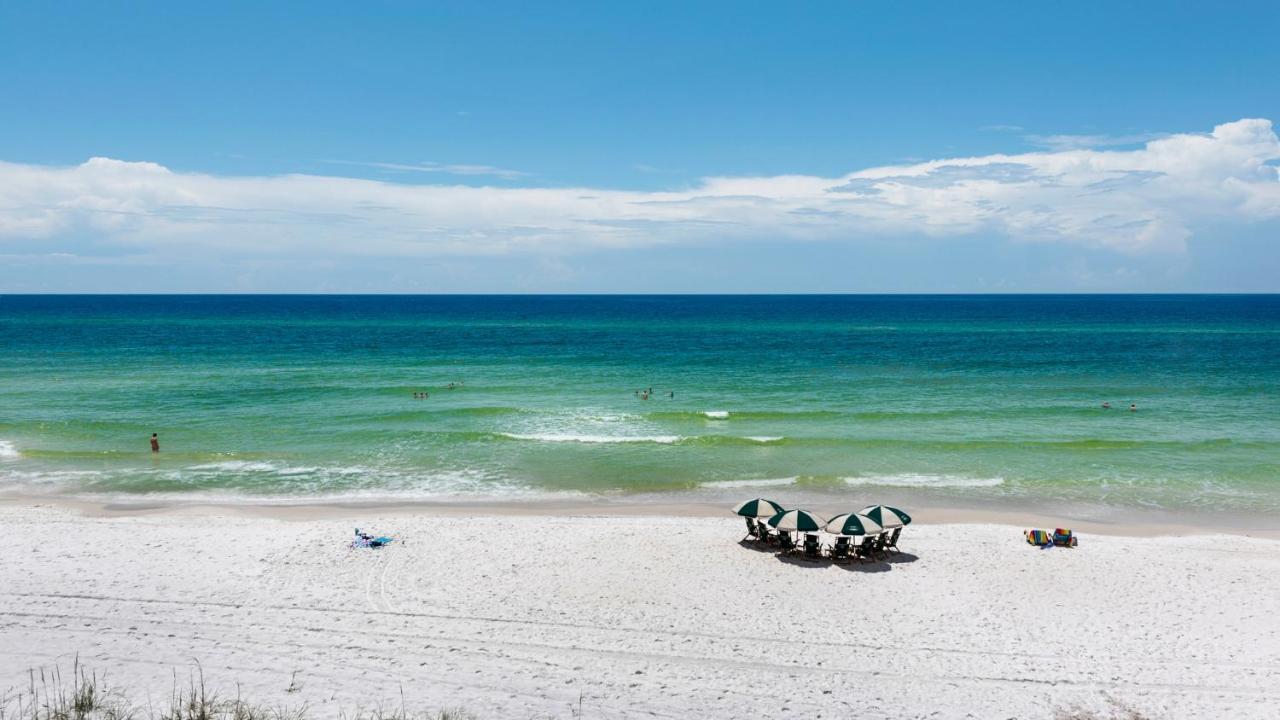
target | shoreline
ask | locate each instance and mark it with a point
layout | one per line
(1138, 522)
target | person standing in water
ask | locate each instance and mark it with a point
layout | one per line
(155, 443)
(1133, 407)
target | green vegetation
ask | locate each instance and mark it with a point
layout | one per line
(86, 695)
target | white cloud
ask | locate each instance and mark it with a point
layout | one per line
(431, 167)
(1149, 199)
(1077, 142)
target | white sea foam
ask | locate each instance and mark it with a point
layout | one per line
(9, 451)
(291, 471)
(761, 482)
(264, 466)
(234, 466)
(915, 480)
(21, 478)
(334, 484)
(571, 437)
(717, 414)
(442, 490)
(605, 418)
(765, 438)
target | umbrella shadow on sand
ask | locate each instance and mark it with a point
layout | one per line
(901, 557)
(880, 566)
(800, 561)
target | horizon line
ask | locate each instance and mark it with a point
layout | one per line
(637, 294)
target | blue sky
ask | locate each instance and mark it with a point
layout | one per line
(232, 137)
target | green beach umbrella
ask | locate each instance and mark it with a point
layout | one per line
(889, 517)
(852, 524)
(758, 508)
(797, 521)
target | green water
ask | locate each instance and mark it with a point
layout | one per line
(971, 398)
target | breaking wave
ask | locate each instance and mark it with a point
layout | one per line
(924, 481)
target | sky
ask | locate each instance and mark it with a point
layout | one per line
(639, 147)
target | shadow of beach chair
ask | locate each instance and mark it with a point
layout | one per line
(891, 542)
(812, 548)
(785, 542)
(840, 551)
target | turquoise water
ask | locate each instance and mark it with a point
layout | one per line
(969, 397)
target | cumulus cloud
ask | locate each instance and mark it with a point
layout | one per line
(1144, 200)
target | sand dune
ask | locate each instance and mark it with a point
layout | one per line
(525, 616)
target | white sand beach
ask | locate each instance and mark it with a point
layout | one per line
(531, 616)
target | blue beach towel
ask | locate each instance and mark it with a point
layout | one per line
(364, 540)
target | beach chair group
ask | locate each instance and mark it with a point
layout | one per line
(872, 548)
(1061, 537)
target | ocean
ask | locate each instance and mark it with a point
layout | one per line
(965, 399)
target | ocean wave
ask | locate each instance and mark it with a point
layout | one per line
(761, 482)
(698, 440)
(689, 415)
(264, 466)
(593, 439)
(733, 440)
(262, 481)
(16, 479)
(924, 481)
(442, 486)
(233, 466)
(9, 451)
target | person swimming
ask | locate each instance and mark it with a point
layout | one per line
(1106, 406)
(1133, 407)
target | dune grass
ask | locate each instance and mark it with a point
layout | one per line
(86, 695)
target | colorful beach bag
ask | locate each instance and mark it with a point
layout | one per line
(1039, 538)
(1062, 537)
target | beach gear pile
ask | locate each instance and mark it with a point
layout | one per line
(365, 540)
(868, 535)
(1061, 537)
